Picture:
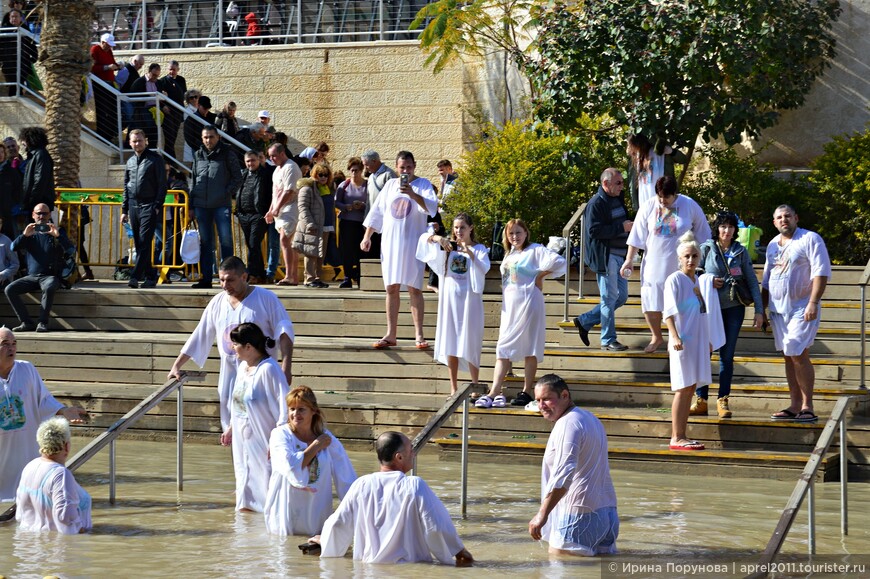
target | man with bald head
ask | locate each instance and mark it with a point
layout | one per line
(391, 517)
(45, 246)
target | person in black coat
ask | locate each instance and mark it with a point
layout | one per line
(38, 186)
(10, 192)
(252, 204)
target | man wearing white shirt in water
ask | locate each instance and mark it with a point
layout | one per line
(578, 502)
(393, 518)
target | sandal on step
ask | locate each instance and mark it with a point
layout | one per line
(483, 402)
(499, 401)
(383, 344)
(686, 445)
(422, 345)
(785, 414)
(806, 416)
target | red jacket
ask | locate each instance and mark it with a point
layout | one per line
(101, 58)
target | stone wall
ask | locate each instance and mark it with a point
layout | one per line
(353, 96)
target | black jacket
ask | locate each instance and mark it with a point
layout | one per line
(255, 194)
(144, 180)
(600, 229)
(216, 176)
(38, 186)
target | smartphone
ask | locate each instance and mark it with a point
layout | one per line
(403, 179)
(42, 228)
(454, 246)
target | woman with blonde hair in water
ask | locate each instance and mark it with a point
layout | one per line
(461, 263)
(307, 461)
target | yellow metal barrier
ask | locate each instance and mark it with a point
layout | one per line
(102, 240)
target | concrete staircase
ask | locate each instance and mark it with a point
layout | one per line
(122, 342)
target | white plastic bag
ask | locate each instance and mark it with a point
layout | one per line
(557, 244)
(190, 246)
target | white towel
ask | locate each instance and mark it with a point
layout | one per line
(715, 326)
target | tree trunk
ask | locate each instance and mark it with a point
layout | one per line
(64, 52)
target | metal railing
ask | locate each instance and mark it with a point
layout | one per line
(446, 411)
(112, 433)
(189, 24)
(581, 262)
(805, 485)
(17, 40)
(865, 279)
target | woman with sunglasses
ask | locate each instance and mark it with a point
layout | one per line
(726, 259)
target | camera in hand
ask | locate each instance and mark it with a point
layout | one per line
(403, 179)
(454, 246)
(42, 228)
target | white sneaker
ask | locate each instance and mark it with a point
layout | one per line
(533, 406)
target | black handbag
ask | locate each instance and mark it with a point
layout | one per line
(738, 289)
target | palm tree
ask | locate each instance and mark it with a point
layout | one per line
(64, 52)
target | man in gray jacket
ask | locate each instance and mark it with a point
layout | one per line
(216, 176)
(144, 194)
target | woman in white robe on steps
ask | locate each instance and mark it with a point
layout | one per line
(307, 461)
(461, 264)
(256, 407)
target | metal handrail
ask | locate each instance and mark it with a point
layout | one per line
(865, 279)
(804, 488)
(111, 434)
(446, 411)
(566, 233)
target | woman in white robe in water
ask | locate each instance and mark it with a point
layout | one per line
(685, 314)
(522, 330)
(256, 407)
(657, 229)
(49, 498)
(461, 264)
(307, 460)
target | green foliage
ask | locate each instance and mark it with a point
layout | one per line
(531, 172)
(475, 28)
(679, 69)
(842, 178)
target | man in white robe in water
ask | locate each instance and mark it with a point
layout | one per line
(578, 502)
(239, 302)
(393, 518)
(399, 215)
(796, 273)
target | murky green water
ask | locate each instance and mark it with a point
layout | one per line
(155, 531)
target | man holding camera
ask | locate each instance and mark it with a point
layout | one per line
(399, 215)
(45, 246)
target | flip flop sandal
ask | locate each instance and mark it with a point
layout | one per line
(383, 344)
(422, 345)
(499, 401)
(483, 402)
(806, 416)
(785, 414)
(687, 445)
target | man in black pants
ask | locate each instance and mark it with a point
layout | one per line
(45, 246)
(144, 194)
(252, 204)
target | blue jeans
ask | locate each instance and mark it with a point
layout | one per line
(274, 256)
(732, 320)
(614, 293)
(208, 219)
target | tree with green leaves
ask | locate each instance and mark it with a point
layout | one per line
(680, 69)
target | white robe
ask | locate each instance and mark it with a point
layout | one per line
(257, 406)
(522, 331)
(25, 403)
(575, 459)
(401, 221)
(683, 301)
(657, 231)
(300, 499)
(391, 518)
(50, 499)
(260, 307)
(715, 325)
(459, 331)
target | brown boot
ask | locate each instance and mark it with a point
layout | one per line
(722, 407)
(698, 407)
